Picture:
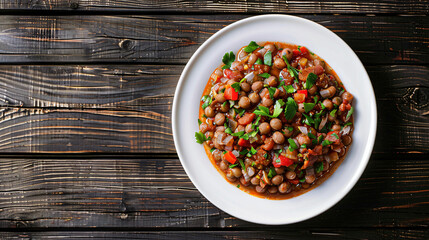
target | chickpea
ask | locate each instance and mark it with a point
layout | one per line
(264, 128)
(248, 128)
(347, 140)
(220, 97)
(277, 179)
(284, 187)
(254, 181)
(270, 47)
(276, 124)
(219, 119)
(290, 175)
(303, 139)
(288, 52)
(279, 170)
(336, 127)
(223, 165)
(310, 178)
(347, 96)
(279, 63)
(312, 90)
(244, 102)
(260, 189)
(272, 81)
(337, 101)
(267, 102)
(245, 86)
(236, 172)
(257, 86)
(278, 137)
(252, 59)
(209, 112)
(254, 98)
(272, 189)
(328, 104)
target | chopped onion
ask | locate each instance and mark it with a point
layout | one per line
(249, 77)
(245, 175)
(220, 137)
(228, 140)
(303, 129)
(323, 122)
(242, 55)
(229, 148)
(232, 123)
(250, 171)
(346, 130)
(236, 153)
(325, 93)
(337, 149)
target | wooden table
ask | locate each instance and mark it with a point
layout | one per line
(85, 129)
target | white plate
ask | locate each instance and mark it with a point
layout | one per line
(210, 183)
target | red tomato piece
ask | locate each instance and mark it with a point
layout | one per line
(229, 156)
(231, 94)
(304, 50)
(227, 73)
(294, 182)
(305, 92)
(244, 143)
(296, 52)
(246, 118)
(282, 161)
(333, 136)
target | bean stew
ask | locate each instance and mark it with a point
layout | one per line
(275, 119)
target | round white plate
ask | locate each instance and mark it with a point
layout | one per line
(206, 178)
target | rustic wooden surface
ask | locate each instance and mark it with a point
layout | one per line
(85, 124)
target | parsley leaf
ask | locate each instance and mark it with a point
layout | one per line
(240, 111)
(242, 164)
(268, 59)
(212, 150)
(292, 144)
(199, 122)
(207, 101)
(293, 72)
(349, 123)
(238, 134)
(228, 59)
(290, 89)
(311, 135)
(259, 62)
(251, 47)
(335, 135)
(278, 108)
(308, 107)
(263, 111)
(244, 152)
(311, 80)
(265, 75)
(349, 114)
(272, 172)
(290, 109)
(200, 137)
(233, 165)
(308, 120)
(253, 151)
(326, 143)
(236, 86)
(272, 90)
(332, 113)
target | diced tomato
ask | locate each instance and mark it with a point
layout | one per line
(331, 137)
(282, 161)
(304, 50)
(227, 73)
(229, 156)
(306, 163)
(299, 97)
(243, 143)
(231, 94)
(294, 182)
(246, 118)
(305, 92)
(296, 52)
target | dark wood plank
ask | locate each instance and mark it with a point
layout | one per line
(382, 234)
(219, 6)
(84, 108)
(174, 38)
(131, 192)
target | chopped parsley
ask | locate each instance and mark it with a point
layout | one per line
(242, 164)
(311, 135)
(290, 109)
(251, 47)
(236, 86)
(244, 152)
(311, 80)
(335, 135)
(207, 101)
(199, 122)
(348, 123)
(332, 113)
(326, 143)
(259, 62)
(290, 89)
(233, 165)
(238, 134)
(265, 75)
(228, 59)
(212, 150)
(292, 144)
(318, 166)
(264, 111)
(200, 137)
(308, 120)
(272, 90)
(272, 172)
(308, 107)
(240, 111)
(349, 114)
(268, 59)
(293, 72)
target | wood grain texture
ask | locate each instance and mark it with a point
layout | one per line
(289, 234)
(174, 38)
(93, 108)
(220, 6)
(135, 191)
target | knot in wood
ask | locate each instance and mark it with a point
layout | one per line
(418, 97)
(74, 5)
(126, 44)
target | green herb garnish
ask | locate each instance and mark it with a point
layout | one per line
(326, 143)
(290, 109)
(259, 62)
(308, 107)
(228, 59)
(236, 86)
(200, 137)
(251, 47)
(332, 113)
(207, 101)
(292, 144)
(311, 79)
(290, 89)
(318, 166)
(349, 114)
(268, 59)
(272, 172)
(265, 75)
